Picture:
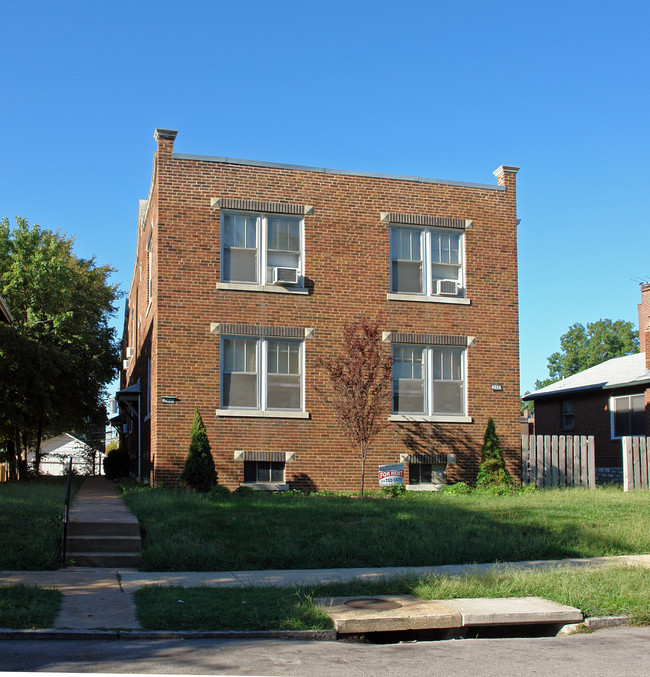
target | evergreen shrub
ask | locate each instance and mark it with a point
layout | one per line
(492, 471)
(199, 472)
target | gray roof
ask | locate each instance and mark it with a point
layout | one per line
(615, 373)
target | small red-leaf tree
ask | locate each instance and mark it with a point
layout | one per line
(359, 384)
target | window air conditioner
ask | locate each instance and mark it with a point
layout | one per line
(129, 352)
(285, 275)
(447, 287)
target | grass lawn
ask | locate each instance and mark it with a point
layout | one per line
(31, 515)
(184, 531)
(28, 607)
(598, 592)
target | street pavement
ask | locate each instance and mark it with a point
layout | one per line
(613, 652)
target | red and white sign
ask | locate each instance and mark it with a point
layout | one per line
(390, 475)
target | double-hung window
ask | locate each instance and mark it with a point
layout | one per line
(428, 380)
(568, 415)
(426, 261)
(627, 415)
(261, 249)
(261, 374)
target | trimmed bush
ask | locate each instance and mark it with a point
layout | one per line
(199, 472)
(219, 492)
(459, 488)
(116, 463)
(492, 471)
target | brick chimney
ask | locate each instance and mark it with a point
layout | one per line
(644, 319)
(165, 139)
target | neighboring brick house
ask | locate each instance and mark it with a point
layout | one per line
(608, 401)
(245, 273)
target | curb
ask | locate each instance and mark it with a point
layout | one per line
(594, 623)
(53, 634)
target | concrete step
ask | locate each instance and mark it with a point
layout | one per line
(93, 543)
(108, 527)
(104, 559)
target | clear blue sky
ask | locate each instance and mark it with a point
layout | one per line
(446, 90)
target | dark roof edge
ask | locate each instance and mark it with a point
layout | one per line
(556, 393)
(323, 170)
(598, 386)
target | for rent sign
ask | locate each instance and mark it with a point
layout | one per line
(389, 475)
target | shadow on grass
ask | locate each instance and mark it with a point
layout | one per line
(183, 531)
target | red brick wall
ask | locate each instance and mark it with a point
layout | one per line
(347, 260)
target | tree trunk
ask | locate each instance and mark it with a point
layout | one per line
(21, 461)
(364, 451)
(11, 460)
(37, 447)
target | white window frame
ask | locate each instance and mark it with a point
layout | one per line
(612, 413)
(429, 287)
(262, 228)
(262, 409)
(430, 413)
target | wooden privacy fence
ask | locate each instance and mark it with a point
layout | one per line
(636, 459)
(558, 460)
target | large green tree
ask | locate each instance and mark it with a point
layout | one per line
(60, 354)
(584, 347)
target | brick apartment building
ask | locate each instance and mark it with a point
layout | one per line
(245, 273)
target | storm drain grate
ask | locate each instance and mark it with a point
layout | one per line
(373, 603)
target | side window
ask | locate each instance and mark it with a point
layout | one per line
(261, 249)
(426, 261)
(407, 264)
(568, 415)
(283, 248)
(628, 415)
(428, 380)
(263, 374)
(409, 383)
(239, 237)
(239, 373)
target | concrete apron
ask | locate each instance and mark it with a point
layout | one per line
(394, 613)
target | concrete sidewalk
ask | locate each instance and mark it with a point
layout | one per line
(102, 598)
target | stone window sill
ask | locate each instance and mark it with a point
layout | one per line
(425, 487)
(456, 300)
(273, 289)
(266, 486)
(256, 413)
(436, 418)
